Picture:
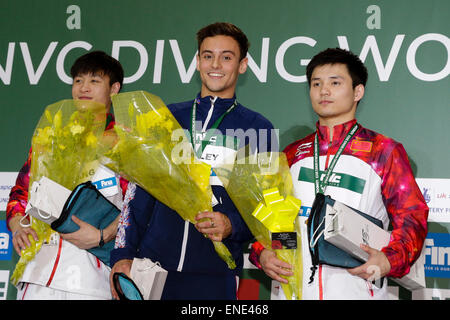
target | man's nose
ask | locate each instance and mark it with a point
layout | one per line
(325, 90)
(85, 86)
(216, 63)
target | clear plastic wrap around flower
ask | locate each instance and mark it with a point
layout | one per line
(65, 149)
(248, 182)
(153, 151)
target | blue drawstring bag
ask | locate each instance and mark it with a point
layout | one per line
(324, 252)
(126, 288)
(89, 205)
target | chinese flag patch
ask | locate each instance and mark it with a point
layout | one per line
(358, 145)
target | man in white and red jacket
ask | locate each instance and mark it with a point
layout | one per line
(372, 174)
(63, 269)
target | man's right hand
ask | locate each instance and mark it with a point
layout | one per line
(275, 267)
(121, 266)
(20, 235)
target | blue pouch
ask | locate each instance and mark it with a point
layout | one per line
(323, 252)
(126, 288)
(89, 205)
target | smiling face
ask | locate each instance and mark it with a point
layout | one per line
(219, 65)
(95, 87)
(332, 95)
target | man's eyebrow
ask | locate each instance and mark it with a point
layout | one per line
(336, 77)
(222, 52)
(331, 77)
(229, 51)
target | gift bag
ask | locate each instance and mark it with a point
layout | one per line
(47, 200)
(88, 204)
(347, 228)
(149, 277)
(322, 251)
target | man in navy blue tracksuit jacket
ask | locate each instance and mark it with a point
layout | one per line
(151, 229)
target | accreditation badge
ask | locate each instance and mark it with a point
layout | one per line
(217, 150)
(105, 181)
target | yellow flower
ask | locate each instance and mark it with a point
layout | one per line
(43, 136)
(131, 110)
(201, 172)
(91, 140)
(48, 115)
(57, 121)
(76, 129)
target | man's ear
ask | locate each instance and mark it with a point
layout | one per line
(243, 65)
(359, 92)
(115, 88)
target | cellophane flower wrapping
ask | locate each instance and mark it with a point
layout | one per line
(152, 150)
(65, 147)
(246, 182)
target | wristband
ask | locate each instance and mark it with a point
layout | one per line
(102, 242)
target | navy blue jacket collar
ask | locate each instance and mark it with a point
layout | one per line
(205, 102)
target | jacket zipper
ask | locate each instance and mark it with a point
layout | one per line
(55, 265)
(330, 143)
(186, 223)
(183, 246)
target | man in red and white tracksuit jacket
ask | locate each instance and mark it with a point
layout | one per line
(63, 269)
(372, 175)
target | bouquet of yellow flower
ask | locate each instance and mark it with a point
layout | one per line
(64, 149)
(153, 151)
(261, 188)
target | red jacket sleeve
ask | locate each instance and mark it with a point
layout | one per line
(408, 213)
(18, 197)
(255, 254)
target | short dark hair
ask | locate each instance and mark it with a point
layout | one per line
(356, 68)
(98, 62)
(225, 29)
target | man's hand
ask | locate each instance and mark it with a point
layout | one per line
(214, 225)
(275, 267)
(121, 266)
(21, 235)
(86, 237)
(376, 267)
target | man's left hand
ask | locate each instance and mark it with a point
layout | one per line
(376, 267)
(215, 225)
(86, 237)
